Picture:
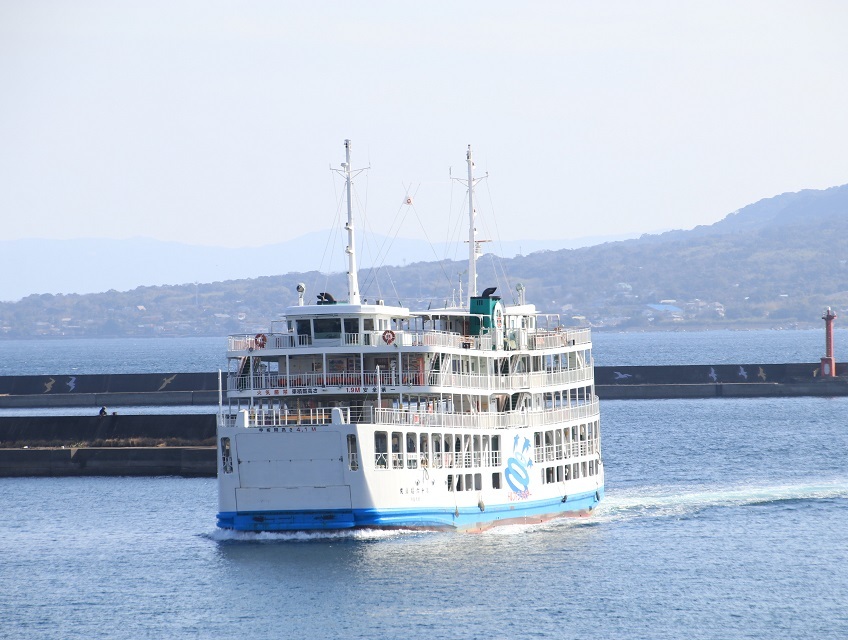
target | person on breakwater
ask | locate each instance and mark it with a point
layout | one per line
(102, 411)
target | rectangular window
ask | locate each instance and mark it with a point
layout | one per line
(411, 451)
(496, 480)
(459, 482)
(450, 482)
(424, 449)
(352, 456)
(327, 328)
(226, 456)
(397, 450)
(478, 481)
(381, 449)
(351, 326)
(304, 331)
(469, 483)
(448, 450)
(559, 473)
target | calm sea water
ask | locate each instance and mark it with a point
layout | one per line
(724, 518)
(186, 355)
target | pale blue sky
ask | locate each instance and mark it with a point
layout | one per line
(215, 122)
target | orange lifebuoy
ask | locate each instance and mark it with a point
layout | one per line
(388, 336)
(261, 340)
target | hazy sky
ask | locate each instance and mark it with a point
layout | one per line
(216, 122)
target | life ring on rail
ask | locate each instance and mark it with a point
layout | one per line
(261, 340)
(388, 336)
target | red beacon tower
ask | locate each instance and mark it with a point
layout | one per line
(828, 364)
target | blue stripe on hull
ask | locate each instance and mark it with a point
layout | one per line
(465, 519)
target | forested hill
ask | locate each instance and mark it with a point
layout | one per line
(776, 262)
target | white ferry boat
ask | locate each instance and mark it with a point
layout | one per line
(347, 414)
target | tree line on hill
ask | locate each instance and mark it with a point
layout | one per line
(778, 262)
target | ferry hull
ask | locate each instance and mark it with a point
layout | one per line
(454, 519)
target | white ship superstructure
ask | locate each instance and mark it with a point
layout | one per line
(348, 414)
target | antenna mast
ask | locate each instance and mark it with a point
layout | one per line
(350, 250)
(473, 243)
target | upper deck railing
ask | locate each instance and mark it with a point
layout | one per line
(513, 339)
(259, 382)
(403, 418)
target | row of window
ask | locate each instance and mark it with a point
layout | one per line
(564, 473)
(471, 482)
(560, 444)
(437, 450)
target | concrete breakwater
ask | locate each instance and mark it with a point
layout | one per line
(109, 461)
(184, 444)
(95, 390)
(717, 381)
(139, 445)
(633, 382)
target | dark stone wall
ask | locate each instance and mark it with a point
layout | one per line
(117, 383)
(711, 374)
(141, 461)
(67, 430)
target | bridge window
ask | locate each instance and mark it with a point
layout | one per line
(304, 331)
(327, 328)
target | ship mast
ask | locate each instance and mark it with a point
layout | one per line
(350, 250)
(473, 243)
(472, 232)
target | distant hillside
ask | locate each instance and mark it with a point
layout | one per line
(777, 262)
(789, 210)
(91, 265)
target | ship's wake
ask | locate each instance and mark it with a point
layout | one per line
(228, 535)
(618, 505)
(657, 502)
(649, 502)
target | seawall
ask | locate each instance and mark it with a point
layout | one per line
(184, 444)
(131, 445)
(109, 461)
(632, 382)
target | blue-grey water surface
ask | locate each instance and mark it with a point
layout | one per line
(724, 518)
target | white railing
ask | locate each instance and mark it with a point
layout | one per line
(408, 338)
(261, 417)
(568, 450)
(413, 377)
(496, 382)
(260, 381)
(510, 419)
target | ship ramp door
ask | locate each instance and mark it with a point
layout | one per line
(292, 471)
